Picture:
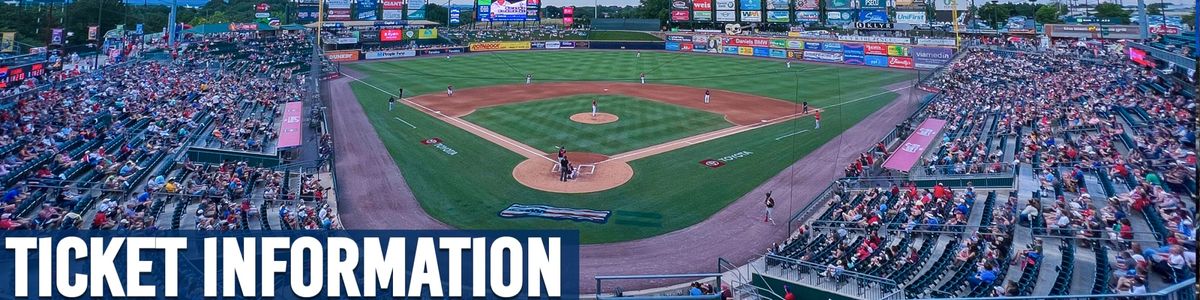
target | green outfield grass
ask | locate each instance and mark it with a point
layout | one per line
(669, 191)
(604, 35)
(545, 124)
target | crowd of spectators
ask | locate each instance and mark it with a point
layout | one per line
(104, 151)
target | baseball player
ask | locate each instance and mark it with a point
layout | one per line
(562, 152)
(817, 117)
(639, 54)
(593, 108)
(770, 204)
(789, 64)
(391, 103)
(806, 107)
(529, 78)
(565, 168)
(447, 57)
(706, 96)
(449, 90)
(643, 78)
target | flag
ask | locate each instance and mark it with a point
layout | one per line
(93, 31)
(8, 41)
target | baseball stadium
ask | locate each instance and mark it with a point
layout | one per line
(702, 149)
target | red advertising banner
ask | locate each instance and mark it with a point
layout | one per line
(293, 123)
(569, 11)
(686, 47)
(875, 49)
(900, 62)
(680, 15)
(342, 55)
(702, 5)
(746, 41)
(393, 4)
(916, 143)
(391, 35)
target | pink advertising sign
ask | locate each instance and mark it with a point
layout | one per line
(910, 151)
(293, 122)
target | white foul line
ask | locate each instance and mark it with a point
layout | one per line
(793, 133)
(406, 122)
(459, 121)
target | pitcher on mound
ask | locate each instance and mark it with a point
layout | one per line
(593, 108)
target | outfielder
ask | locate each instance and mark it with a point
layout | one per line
(643, 78)
(449, 90)
(529, 78)
(391, 103)
(706, 96)
(789, 64)
(639, 54)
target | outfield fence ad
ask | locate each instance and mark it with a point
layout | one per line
(873, 52)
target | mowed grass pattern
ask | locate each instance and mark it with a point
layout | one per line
(669, 191)
(545, 124)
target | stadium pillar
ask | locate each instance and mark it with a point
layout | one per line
(171, 27)
(1145, 23)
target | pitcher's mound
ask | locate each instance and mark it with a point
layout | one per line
(540, 174)
(600, 118)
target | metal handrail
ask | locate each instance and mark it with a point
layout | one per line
(1178, 291)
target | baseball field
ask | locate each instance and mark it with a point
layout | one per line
(468, 157)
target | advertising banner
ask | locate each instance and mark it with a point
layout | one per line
(900, 62)
(369, 36)
(823, 56)
(897, 50)
(838, 4)
(56, 36)
(93, 32)
(778, 43)
(808, 4)
(872, 16)
(699, 47)
(342, 55)
(1094, 31)
(679, 38)
(566, 45)
(680, 15)
(686, 47)
(747, 51)
(876, 60)
(702, 5)
(8, 41)
(831, 47)
(875, 49)
(746, 41)
(502, 10)
(415, 15)
(795, 44)
(750, 5)
(855, 49)
(427, 33)
(812, 46)
(416, 4)
(337, 4)
(537, 45)
(392, 4)
(796, 54)
(337, 14)
(949, 5)
(700, 39)
(366, 10)
(389, 14)
(291, 125)
(872, 4)
(672, 46)
(306, 13)
(777, 16)
(808, 16)
(500, 46)
(930, 57)
(935, 42)
(679, 4)
(762, 52)
(838, 16)
(777, 4)
(730, 49)
(779, 53)
(726, 4)
(391, 35)
(874, 39)
(702, 16)
(911, 17)
(911, 5)
(750, 16)
(914, 146)
(726, 16)
(852, 59)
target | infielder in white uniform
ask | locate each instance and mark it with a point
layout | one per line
(706, 96)
(529, 78)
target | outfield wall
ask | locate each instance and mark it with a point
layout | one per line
(875, 54)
